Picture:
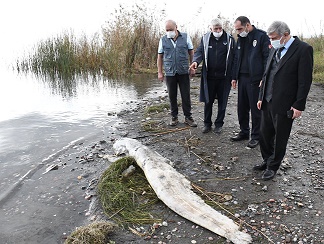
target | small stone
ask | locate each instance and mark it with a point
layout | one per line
(228, 197)
(299, 204)
(88, 197)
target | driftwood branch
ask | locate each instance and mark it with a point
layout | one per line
(176, 191)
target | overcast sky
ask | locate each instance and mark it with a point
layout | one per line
(22, 22)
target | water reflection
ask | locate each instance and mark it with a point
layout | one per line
(68, 84)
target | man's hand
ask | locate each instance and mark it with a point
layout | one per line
(259, 104)
(160, 76)
(234, 84)
(192, 73)
(296, 114)
(193, 67)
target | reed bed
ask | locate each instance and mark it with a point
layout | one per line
(126, 45)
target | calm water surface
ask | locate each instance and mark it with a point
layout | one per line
(39, 118)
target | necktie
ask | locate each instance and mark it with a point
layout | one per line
(278, 54)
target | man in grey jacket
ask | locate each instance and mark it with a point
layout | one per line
(216, 51)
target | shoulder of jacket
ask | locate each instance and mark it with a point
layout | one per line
(260, 31)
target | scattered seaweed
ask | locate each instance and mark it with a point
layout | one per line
(126, 200)
(96, 232)
(157, 108)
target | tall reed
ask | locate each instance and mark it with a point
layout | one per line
(127, 44)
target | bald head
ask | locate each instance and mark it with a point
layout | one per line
(170, 25)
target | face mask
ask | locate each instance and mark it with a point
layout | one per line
(276, 44)
(218, 34)
(243, 33)
(170, 34)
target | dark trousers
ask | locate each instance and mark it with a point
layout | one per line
(216, 88)
(248, 94)
(274, 134)
(183, 82)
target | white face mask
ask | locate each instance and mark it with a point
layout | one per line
(218, 34)
(244, 33)
(170, 34)
(276, 44)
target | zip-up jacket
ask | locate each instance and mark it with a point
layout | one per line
(201, 54)
(258, 52)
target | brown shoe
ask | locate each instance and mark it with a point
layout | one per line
(189, 121)
(174, 121)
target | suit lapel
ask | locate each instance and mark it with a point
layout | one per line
(293, 47)
(270, 58)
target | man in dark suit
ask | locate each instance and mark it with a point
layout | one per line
(283, 93)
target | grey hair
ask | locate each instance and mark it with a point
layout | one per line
(278, 27)
(171, 21)
(216, 22)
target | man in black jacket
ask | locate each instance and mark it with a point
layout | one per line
(251, 55)
(216, 51)
(283, 93)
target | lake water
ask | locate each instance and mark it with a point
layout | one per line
(38, 120)
(38, 117)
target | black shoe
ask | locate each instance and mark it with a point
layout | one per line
(260, 167)
(268, 174)
(206, 129)
(240, 137)
(217, 130)
(253, 143)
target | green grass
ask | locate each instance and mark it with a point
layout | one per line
(317, 42)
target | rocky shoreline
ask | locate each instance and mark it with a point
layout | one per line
(287, 209)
